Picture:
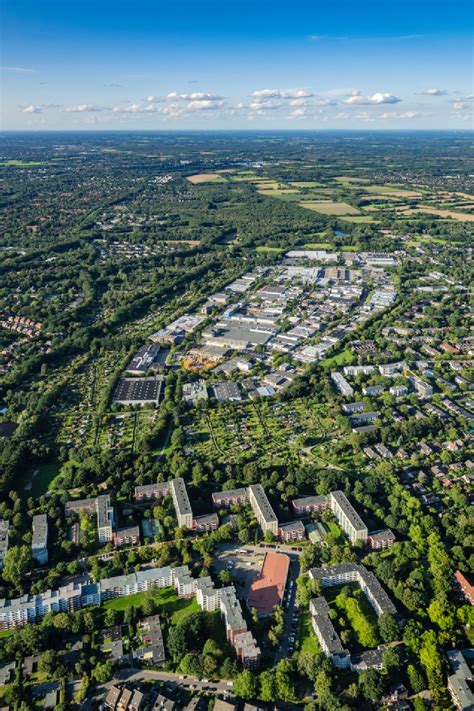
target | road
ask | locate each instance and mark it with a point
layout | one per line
(286, 646)
(136, 675)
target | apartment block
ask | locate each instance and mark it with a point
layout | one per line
(4, 528)
(39, 541)
(181, 503)
(148, 492)
(233, 497)
(105, 518)
(309, 504)
(262, 509)
(347, 517)
(327, 635)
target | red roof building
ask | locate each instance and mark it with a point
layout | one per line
(465, 585)
(268, 589)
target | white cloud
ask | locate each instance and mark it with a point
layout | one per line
(32, 110)
(298, 114)
(204, 105)
(400, 115)
(262, 106)
(431, 92)
(378, 98)
(263, 94)
(82, 108)
(325, 102)
(460, 105)
(17, 70)
(195, 96)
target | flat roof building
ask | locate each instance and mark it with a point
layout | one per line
(460, 683)
(39, 542)
(4, 528)
(347, 517)
(105, 518)
(232, 497)
(182, 506)
(148, 492)
(267, 591)
(327, 635)
(262, 509)
(138, 391)
(309, 504)
(146, 358)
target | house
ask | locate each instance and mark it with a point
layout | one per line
(466, 586)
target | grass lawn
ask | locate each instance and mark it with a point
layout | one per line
(269, 249)
(344, 357)
(25, 163)
(164, 597)
(41, 481)
(318, 245)
(6, 633)
(306, 641)
(330, 207)
(359, 218)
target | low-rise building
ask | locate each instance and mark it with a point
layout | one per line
(148, 492)
(460, 682)
(466, 586)
(232, 497)
(206, 522)
(129, 536)
(291, 531)
(267, 591)
(309, 504)
(381, 539)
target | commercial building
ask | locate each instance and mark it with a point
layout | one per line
(39, 541)
(347, 517)
(145, 359)
(262, 509)
(4, 528)
(181, 503)
(267, 591)
(195, 392)
(138, 391)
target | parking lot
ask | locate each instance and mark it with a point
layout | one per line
(244, 564)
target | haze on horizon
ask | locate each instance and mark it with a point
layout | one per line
(237, 65)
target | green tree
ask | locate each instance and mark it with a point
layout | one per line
(16, 564)
(370, 684)
(246, 685)
(388, 627)
(268, 687)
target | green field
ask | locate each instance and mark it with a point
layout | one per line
(306, 640)
(276, 250)
(344, 357)
(25, 163)
(40, 477)
(166, 597)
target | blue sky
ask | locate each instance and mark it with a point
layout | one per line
(182, 64)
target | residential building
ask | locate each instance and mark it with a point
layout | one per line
(465, 585)
(350, 573)
(262, 509)
(129, 536)
(381, 539)
(342, 385)
(207, 522)
(105, 518)
(460, 682)
(181, 503)
(422, 388)
(347, 517)
(4, 528)
(233, 497)
(39, 541)
(151, 638)
(309, 504)
(148, 492)
(291, 531)
(247, 650)
(327, 635)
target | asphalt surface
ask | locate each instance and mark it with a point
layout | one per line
(137, 675)
(288, 638)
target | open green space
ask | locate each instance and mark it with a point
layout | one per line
(25, 163)
(344, 357)
(167, 598)
(37, 480)
(306, 639)
(263, 249)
